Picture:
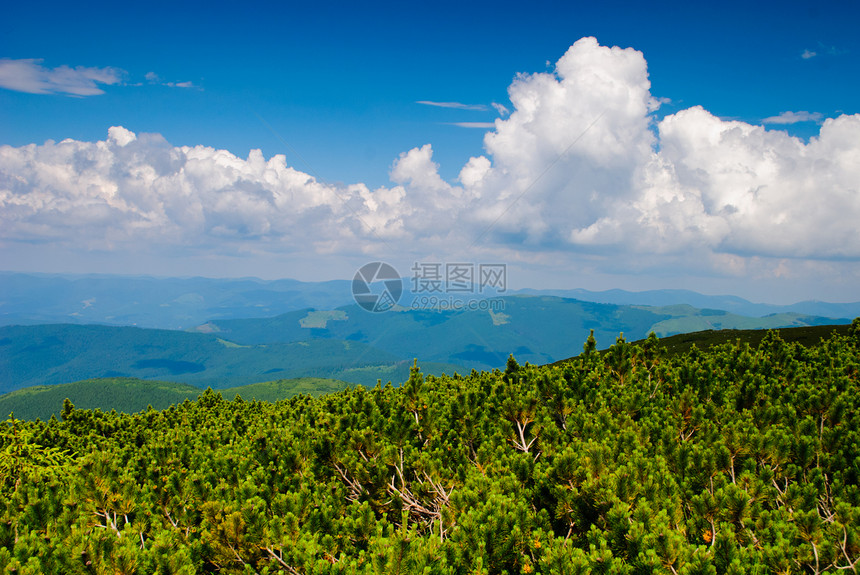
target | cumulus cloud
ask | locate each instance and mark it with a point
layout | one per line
(793, 118)
(136, 189)
(762, 192)
(28, 75)
(580, 173)
(808, 54)
(579, 158)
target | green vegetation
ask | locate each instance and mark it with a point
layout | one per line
(130, 395)
(682, 343)
(123, 394)
(735, 459)
(285, 388)
(807, 336)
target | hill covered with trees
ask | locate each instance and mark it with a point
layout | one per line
(129, 395)
(737, 459)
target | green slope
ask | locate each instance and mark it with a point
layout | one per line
(285, 388)
(679, 344)
(806, 335)
(124, 394)
(130, 395)
(687, 319)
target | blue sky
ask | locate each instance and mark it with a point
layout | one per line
(336, 88)
(339, 81)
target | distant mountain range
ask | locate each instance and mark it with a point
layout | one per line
(728, 303)
(182, 303)
(536, 329)
(349, 343)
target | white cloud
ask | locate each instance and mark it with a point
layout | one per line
(579, 153)
(580, 176)
(808, 54)
(793, 118)
(133, 190)
(760, 192)
(28, 75)
(120, 136)
(455, 105)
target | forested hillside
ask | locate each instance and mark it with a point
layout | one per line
(129, 395)
(737, 459)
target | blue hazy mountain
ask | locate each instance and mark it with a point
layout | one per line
(181, 303)
(63, 353)
(536, 329)
(166, 303)
(729, 303)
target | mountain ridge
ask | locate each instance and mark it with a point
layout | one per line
(182, 303)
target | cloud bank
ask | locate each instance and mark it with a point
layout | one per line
(580, 171)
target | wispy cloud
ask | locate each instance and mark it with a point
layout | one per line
(483, 125)
(29, 76)
(154, 78)
(793, 118)
(501, 109)
(456, 105)
(823, 50)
